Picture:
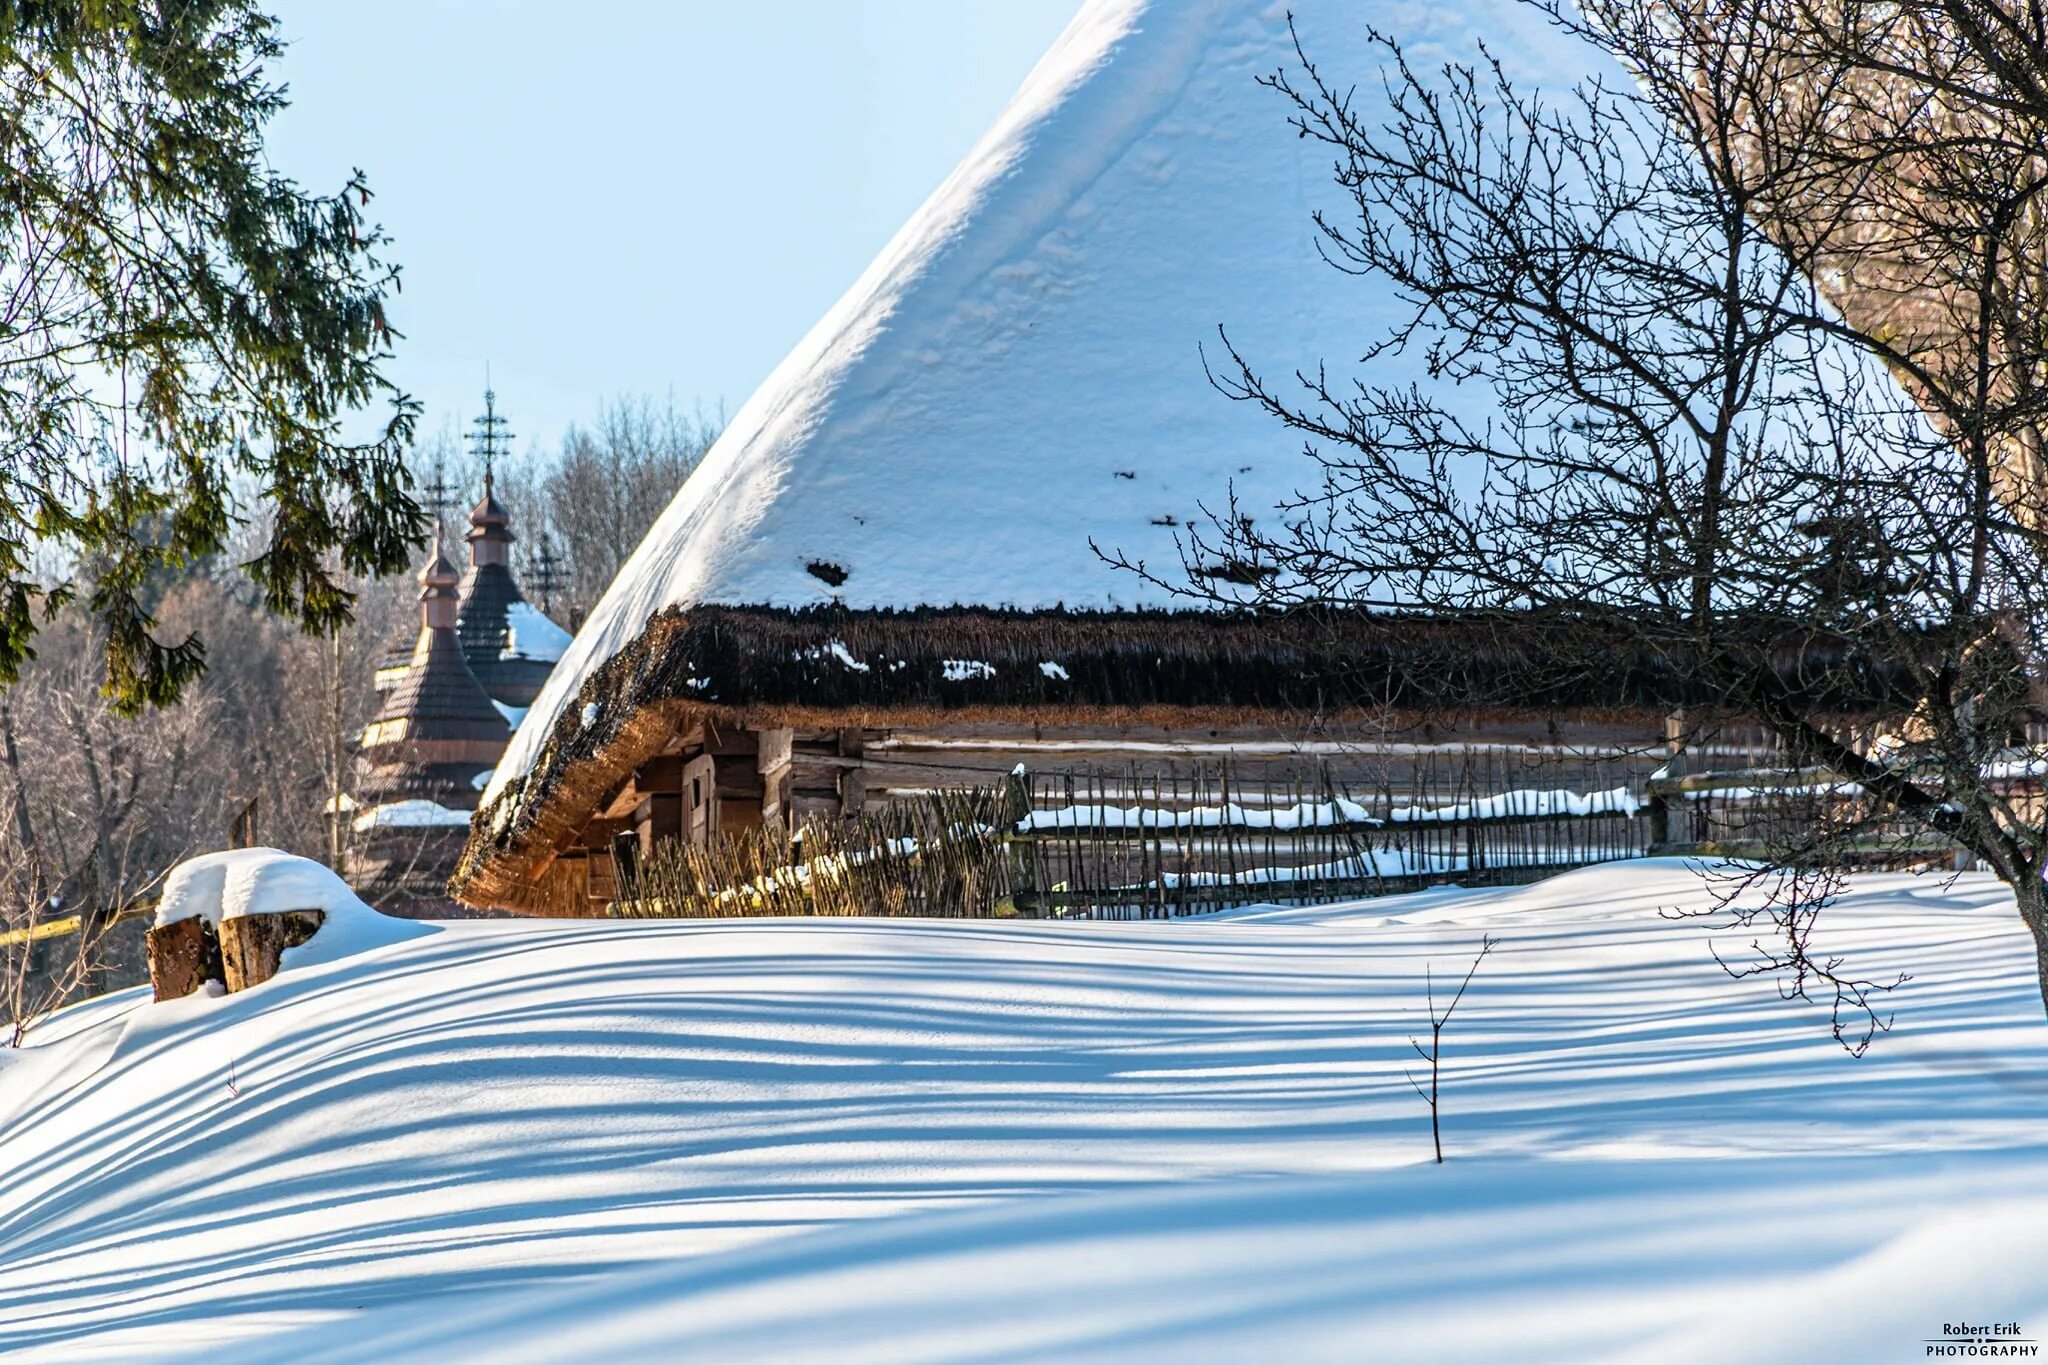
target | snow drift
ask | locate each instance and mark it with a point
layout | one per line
(929, 1139)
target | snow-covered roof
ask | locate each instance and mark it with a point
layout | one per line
(531, 635)
(413, 814)
(1019, 373)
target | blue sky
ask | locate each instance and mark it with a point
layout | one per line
(647, 197)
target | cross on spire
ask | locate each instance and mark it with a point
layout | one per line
(440, 495)
(489, 437)
(546, 574)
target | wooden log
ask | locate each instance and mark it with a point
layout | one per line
(663, 775)
(658, 817)
(252, 946)
(183, 956)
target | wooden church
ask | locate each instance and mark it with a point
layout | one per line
(449, 703)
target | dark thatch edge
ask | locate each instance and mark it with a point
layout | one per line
(834, 666)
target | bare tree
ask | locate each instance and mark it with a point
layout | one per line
(1764, 327)
(612, 480)
(40, 970)
(94, 808)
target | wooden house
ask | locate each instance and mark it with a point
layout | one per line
(892, 572)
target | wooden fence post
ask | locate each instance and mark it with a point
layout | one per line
(1658, 806)
(1015, 809)
(1658, 810)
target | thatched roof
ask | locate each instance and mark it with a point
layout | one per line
(1018, 378)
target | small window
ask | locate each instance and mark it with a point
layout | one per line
(696, 792)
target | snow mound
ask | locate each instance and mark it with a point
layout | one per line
(1510, 1261)
(253, 881)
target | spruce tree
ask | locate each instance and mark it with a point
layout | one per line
(178, 320)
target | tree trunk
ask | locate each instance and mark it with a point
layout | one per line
(2032, 895)
(24, 823)
(2041, 963)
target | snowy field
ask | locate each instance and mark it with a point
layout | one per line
(951, 1140)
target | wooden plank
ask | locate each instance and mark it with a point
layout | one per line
(810, 805)
(602, 879)
(1761, 850)
(659, 816)
(699, 795)
(69, 924)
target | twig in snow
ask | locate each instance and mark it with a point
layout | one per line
(1434, 1051)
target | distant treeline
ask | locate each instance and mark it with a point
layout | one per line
(579, 509)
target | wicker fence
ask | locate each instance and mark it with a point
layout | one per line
(1174, 847)
(1153, 847)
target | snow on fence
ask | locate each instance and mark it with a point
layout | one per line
(1146, 847)
(1202, 839)
(1782, 814)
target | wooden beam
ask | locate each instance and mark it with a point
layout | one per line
(772, 758)
(603, 884)
(729, 743)
(772, 749)
(663, 774)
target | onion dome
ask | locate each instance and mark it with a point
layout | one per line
(490, 529)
